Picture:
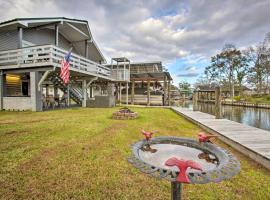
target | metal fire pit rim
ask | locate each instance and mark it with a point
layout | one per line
(226, 169)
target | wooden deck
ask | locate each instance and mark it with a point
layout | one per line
(251, 141)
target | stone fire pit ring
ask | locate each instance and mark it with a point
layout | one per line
(124, 114)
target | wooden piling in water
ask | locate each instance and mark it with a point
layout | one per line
(218, 112)
(195, 101)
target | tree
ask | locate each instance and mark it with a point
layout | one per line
(184, 85)
(241, 70)
(228, 66)
(257, 69)
(204, 82)
(184, 88)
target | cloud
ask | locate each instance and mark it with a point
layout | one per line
(191, 71)
(158, 30)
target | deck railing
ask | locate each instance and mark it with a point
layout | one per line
(120, 74)
(50, 55)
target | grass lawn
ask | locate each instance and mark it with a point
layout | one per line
(258, 99)
(81, 154)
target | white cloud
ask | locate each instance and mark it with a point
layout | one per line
(191, 71)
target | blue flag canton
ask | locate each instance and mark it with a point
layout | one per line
(67, 57)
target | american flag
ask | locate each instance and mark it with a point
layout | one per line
(65, 68)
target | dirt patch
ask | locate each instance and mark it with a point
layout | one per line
(7, 122)
(98, 140)
(15, 132)
(38, 162)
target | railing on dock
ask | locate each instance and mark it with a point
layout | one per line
(233, 103)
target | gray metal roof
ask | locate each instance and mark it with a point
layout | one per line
(121, 59)
(158, 76)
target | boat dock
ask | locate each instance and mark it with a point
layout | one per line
(252, 142)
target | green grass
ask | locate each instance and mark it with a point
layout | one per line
(81, 154)
(258, 99)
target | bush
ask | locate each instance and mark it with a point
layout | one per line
(268, 97)
(237, 98)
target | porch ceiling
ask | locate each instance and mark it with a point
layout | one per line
(80, 76)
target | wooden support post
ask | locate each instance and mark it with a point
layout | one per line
(1, 89)
(169, 93)
(36, 99)
(218, 103)
(132, 92)
(148, 93)
(165, 90)
(124, 69)
(91, 91)
(127, 93)
(20, 37)
(47, 90)
(195, 100)
(55, 91)
(86, 48)
(56, 34)
(84, 89)
(120, 93)
(116, 93)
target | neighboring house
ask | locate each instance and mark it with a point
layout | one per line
(149, 83)
(31, 50)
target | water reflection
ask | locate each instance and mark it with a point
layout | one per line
(148, 148)
(208, 158)
(256, 117)
(165, 151)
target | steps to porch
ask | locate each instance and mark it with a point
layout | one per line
(76, 93)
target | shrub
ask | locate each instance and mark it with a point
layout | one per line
(237, 98)
(268, 97)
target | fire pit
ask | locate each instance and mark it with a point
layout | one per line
(183, 160)
(125, 113)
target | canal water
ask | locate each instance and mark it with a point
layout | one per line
(256, 117)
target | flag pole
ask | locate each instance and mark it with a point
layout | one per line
(69, 84)
(68, 97)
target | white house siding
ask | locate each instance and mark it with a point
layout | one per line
(17, 103)
(8, 40)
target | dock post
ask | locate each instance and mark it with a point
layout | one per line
(218, 113)
(195, 100)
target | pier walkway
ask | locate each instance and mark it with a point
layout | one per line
(251, 141)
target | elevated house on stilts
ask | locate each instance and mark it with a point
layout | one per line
(150, 83)
(31, 51)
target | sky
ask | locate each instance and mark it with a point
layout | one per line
(183, 34)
